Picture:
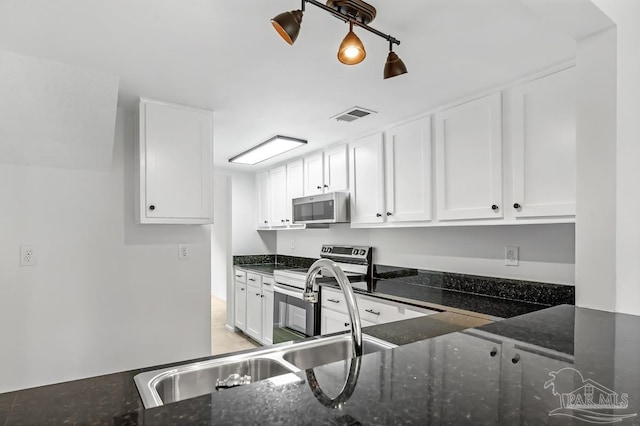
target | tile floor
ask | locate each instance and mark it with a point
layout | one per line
(222, 340)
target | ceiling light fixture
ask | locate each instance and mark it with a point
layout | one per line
(394, 65)
(351, 51)
(268, 149)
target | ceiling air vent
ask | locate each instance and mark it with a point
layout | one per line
(353, 114)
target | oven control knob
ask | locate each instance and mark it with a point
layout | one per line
(354, 252)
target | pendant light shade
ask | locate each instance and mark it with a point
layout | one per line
(287, 24)
(394, 66)
(351, 51)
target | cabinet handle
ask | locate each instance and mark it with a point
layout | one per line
(288, 220)
(257, 294)
(371, 311)
(515, 359)
(326, 186)
(494, 207)
(266, 283)
(281, 220)
(333, 300)
(378, 215)
(389, 213)
(241, 289)
(262, 295)
(252, 279)
(516, 206)
(493, 352)
(346, 324)
(319, 187)
(238, 276)
(152, 207)
(266, 221)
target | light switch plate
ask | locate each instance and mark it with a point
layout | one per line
(512, 255)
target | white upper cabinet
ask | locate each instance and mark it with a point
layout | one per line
(543, 137)
(264, 194)
(469, 160)
(336, 176)
(175, 164)
(313, 174)
(366, 169)
(278, 196)
(295, 186)
(408, 172)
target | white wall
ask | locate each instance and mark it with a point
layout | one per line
(107, 294)
(221, 236)
(626, 15)
(596, 176)
(546, 251)
(245, 239)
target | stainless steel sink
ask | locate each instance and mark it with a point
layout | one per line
(166, 385)
(325, 351)
(201, 381)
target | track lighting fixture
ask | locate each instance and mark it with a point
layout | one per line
(351, 51)
(394, 65)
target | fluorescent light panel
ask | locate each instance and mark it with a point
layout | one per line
(275, 146)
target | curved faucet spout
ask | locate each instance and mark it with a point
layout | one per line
(311, 295)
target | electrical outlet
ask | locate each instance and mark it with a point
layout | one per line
(293, 244)
(28, 256)
(183, 252)
(511, 255)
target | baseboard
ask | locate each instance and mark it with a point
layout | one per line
(230, 328)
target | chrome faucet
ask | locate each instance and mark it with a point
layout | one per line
(311, 295)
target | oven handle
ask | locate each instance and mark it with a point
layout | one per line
(287, 292)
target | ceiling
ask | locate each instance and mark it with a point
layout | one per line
(225, 56)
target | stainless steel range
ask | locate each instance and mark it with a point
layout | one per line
(295, 318)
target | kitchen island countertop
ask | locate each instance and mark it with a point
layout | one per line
(460, 378)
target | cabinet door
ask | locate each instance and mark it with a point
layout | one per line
(313, 174)
(367, 179)
(240, 305)
(278, 195)
(469, 160)
(543, 133)
(176, 164)
(267, 317)
(408, 172)
(295, 186)
(264, 204)
(469, 371)
(254, 312)
(336, 177)
(333, 322)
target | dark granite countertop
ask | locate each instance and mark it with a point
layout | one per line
(263, 268)
(515, 371)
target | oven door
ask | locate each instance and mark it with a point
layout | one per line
(293, 318)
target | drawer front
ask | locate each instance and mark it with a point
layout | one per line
(267, 284)
(333, 299)
(378, 312)
(254, 279)
(241, 276)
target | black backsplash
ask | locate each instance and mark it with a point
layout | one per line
(505, 288)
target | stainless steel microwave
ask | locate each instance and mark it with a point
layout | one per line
(332, 207)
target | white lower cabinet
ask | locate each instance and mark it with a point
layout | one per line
(267, 311)
(240, 305)
(334, 315)
(254, 305)
(254, 312)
